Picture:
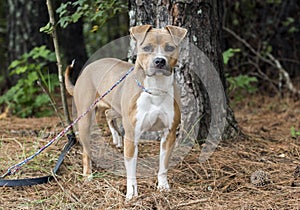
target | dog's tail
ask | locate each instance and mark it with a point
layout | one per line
(68, 83)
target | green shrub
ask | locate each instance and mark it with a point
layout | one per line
(240, 84)
(25, 99)
(294, 133)
(94, 11)
(229, 54)
(243, 82)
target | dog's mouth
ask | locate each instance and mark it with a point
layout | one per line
(159, 72)
(159, 66)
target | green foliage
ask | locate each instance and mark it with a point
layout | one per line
(266, 49)
(241, 83)
(274, 1)
(268, 27)
(47, 28)
(92, 10)
(25, 98)
(294, 133)
(290, 23)
(229, 54)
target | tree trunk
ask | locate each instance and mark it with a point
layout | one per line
(3, 46)
(24, 19)
(72, 43)
(200, 72)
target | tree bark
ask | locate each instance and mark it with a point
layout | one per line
(24, 19)
(72, 43)
(203, 19)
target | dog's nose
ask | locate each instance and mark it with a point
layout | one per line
(159, 62)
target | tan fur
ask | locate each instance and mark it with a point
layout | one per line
(86, 160)
(169, 143)
(128, 148)
(100, 75)
(68, 83)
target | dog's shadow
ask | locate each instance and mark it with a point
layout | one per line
(106, 156)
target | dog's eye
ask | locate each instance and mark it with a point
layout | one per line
(169, 48)
(147, 48)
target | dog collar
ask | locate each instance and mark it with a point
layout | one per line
(152, 91)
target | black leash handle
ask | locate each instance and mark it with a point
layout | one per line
(44, 179)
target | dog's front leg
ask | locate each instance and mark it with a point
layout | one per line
(166, 147)
(130, 158)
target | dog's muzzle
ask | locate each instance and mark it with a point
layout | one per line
(159, 63)
(159, 66)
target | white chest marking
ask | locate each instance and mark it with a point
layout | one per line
(156, 112)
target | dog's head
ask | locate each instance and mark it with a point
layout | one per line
(157, 49)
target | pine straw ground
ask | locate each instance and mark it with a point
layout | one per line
(222, 182)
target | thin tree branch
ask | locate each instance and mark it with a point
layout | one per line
(272, 61)
(52, 101)
(59, 65)
(285, 74)
(243, 41)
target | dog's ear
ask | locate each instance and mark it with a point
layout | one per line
(138, 33)
(177, 33)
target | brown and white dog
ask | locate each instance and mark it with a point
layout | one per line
(145, 101)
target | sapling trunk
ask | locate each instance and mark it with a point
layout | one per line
(59, 65)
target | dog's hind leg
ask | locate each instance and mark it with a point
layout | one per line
(85, 139)
(110, 116)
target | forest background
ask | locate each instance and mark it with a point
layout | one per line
(260, 169)
(259, 40)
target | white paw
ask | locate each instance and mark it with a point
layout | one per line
(117, 140)
(119, 144)
(131, 190)
(88, 177)
(163, 184)
(130, 196)
(163, 187)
